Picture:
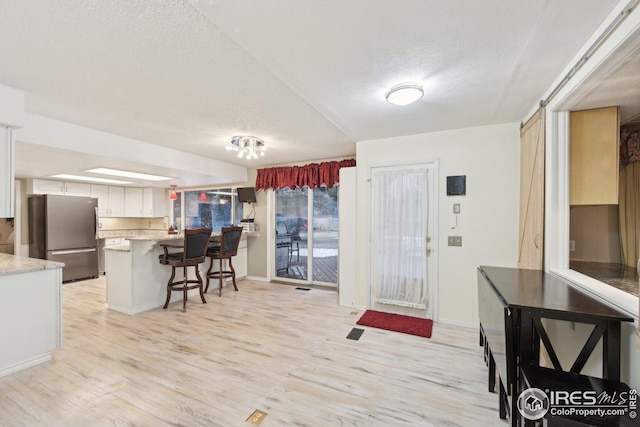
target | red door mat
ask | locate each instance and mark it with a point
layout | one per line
(397, 323)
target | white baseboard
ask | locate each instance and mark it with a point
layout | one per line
(460, 324)
(33, 361)
(354, 307)
(257, 278)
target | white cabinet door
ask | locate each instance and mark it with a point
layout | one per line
(154, 203)
(7, 186)
(46, 186)
(116, 201)
(59, 188)
(147, 202)
(77, 189)
(101, 192)
(240, 260)
(133, 202)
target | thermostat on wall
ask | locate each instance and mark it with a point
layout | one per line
(457, 185)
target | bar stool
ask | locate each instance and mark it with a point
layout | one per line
(193, 253)
(229, 242)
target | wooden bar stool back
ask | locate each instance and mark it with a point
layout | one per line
(229, 242)
(194, 250)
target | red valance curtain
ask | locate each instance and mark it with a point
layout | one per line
(312, 175)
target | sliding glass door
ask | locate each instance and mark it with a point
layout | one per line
(306, 243)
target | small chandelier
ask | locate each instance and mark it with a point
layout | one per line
(247, 146)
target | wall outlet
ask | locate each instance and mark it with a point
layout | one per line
(454, 240)
(456, 208)
(572, 245)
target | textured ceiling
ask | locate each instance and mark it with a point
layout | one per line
(308, 77)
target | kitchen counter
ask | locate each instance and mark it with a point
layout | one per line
(617, 275)
(136, 281)
(155, 235)
(30, 311)
(12, 264)
(108, 234)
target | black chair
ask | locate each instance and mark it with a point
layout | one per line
(295, 240)
(194, 250)
(228, 248)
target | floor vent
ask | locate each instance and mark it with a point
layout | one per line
(256, 418)
(303, 289)
(355, 334)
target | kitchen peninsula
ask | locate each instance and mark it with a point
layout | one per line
(136, 281)
(30, 311)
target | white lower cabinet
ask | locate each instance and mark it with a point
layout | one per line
(240, 260)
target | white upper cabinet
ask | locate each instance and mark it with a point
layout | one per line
(133, 202)
(77, 189)
(59, 188)
(116, 201)
(154, 203)
(110, 200)
(7, 185)
(101, 192)
(45, 186)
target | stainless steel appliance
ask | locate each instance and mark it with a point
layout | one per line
(64, 229)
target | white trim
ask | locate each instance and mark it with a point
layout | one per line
(257, 279)
(607, 294)
(457, 323)
(271, 234)
(434, 208)
(33, 361)
(614, 52)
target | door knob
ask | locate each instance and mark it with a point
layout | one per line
(428, 250)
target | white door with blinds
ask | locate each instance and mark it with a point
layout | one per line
(403, 261)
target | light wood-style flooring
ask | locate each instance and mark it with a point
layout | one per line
(268, 347)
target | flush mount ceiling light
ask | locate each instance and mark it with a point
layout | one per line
(128, 174)
(247, 146)
(404, 94)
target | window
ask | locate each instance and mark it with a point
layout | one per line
(215, 208)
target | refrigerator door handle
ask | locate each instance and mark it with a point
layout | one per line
(72, 251)
(97, 222)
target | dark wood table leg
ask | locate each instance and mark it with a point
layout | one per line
(611, 351)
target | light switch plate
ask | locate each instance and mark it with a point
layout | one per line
(456, 208)
(454, 240)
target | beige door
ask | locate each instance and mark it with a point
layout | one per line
(530, 248)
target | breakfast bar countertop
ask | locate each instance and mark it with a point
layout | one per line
(155, 235)
(13, 264)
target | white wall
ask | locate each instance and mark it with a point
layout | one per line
(490, 158)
